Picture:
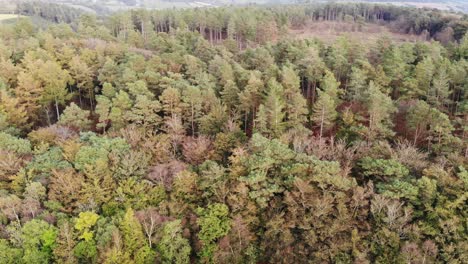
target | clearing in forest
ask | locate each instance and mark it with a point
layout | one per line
(329, 31)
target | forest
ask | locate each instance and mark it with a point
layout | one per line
(211, 136)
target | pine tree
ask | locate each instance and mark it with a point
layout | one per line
(109, 72)
(251, 97)
(424, 72)
(324, 110)
(274, 106)
(418, 118)
(438, 94)
(261, 121)
(230, 95)
(380, 108)
(75, 117)
(295, 103)
(121, 103)
(231, 27)
(144, 113)
(357, 85)
(324, 113)
(103, 108)
(193, 102)
(171, 102)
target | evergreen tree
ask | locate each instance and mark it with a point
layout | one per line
(75, 117)
(357, 85)
(380, 108)
(324, 110)
(295, 103)
(438, 94)
(274, 108)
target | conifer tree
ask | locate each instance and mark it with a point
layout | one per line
(324, 110)
(274, 108)
(380, 108)
(295, 103)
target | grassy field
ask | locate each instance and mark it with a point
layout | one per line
(7, 18)
(329, 31)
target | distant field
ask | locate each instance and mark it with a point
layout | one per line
(461, 6)
(7, 16)
(447, 5)
(329, 31)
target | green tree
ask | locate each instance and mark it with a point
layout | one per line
(214, 223)
(424, 73)
(295, 103)
(84, 223)
(324, 111)
(171, 102)
(38, 241)
(8, 253)
(230, 95)
(121, 103)
(109, 72)
(251, 97)
(383, 170)
(274, 106)
(419, 116)
(134, 240)
(14, 144)
(357, 87)
(380, 108)
(55, 85)
(83, 77)
(144, 113)
(193, 102)
(75, 117)
(86, 249)
(174, 248)
(103, 108)
(438, 94)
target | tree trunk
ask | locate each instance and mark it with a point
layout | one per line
(308, 91)
(416, 134)
(57, 109)
(321, 123)
(193, 126)
(245, 122)
(313, 92)
(47, 114)
(91, 99)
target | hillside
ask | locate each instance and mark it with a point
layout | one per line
(308, 133)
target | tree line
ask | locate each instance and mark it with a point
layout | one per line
(259, 24)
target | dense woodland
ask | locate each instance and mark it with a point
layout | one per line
(207, 136)
(257, 23)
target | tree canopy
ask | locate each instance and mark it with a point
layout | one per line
(209, 135)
